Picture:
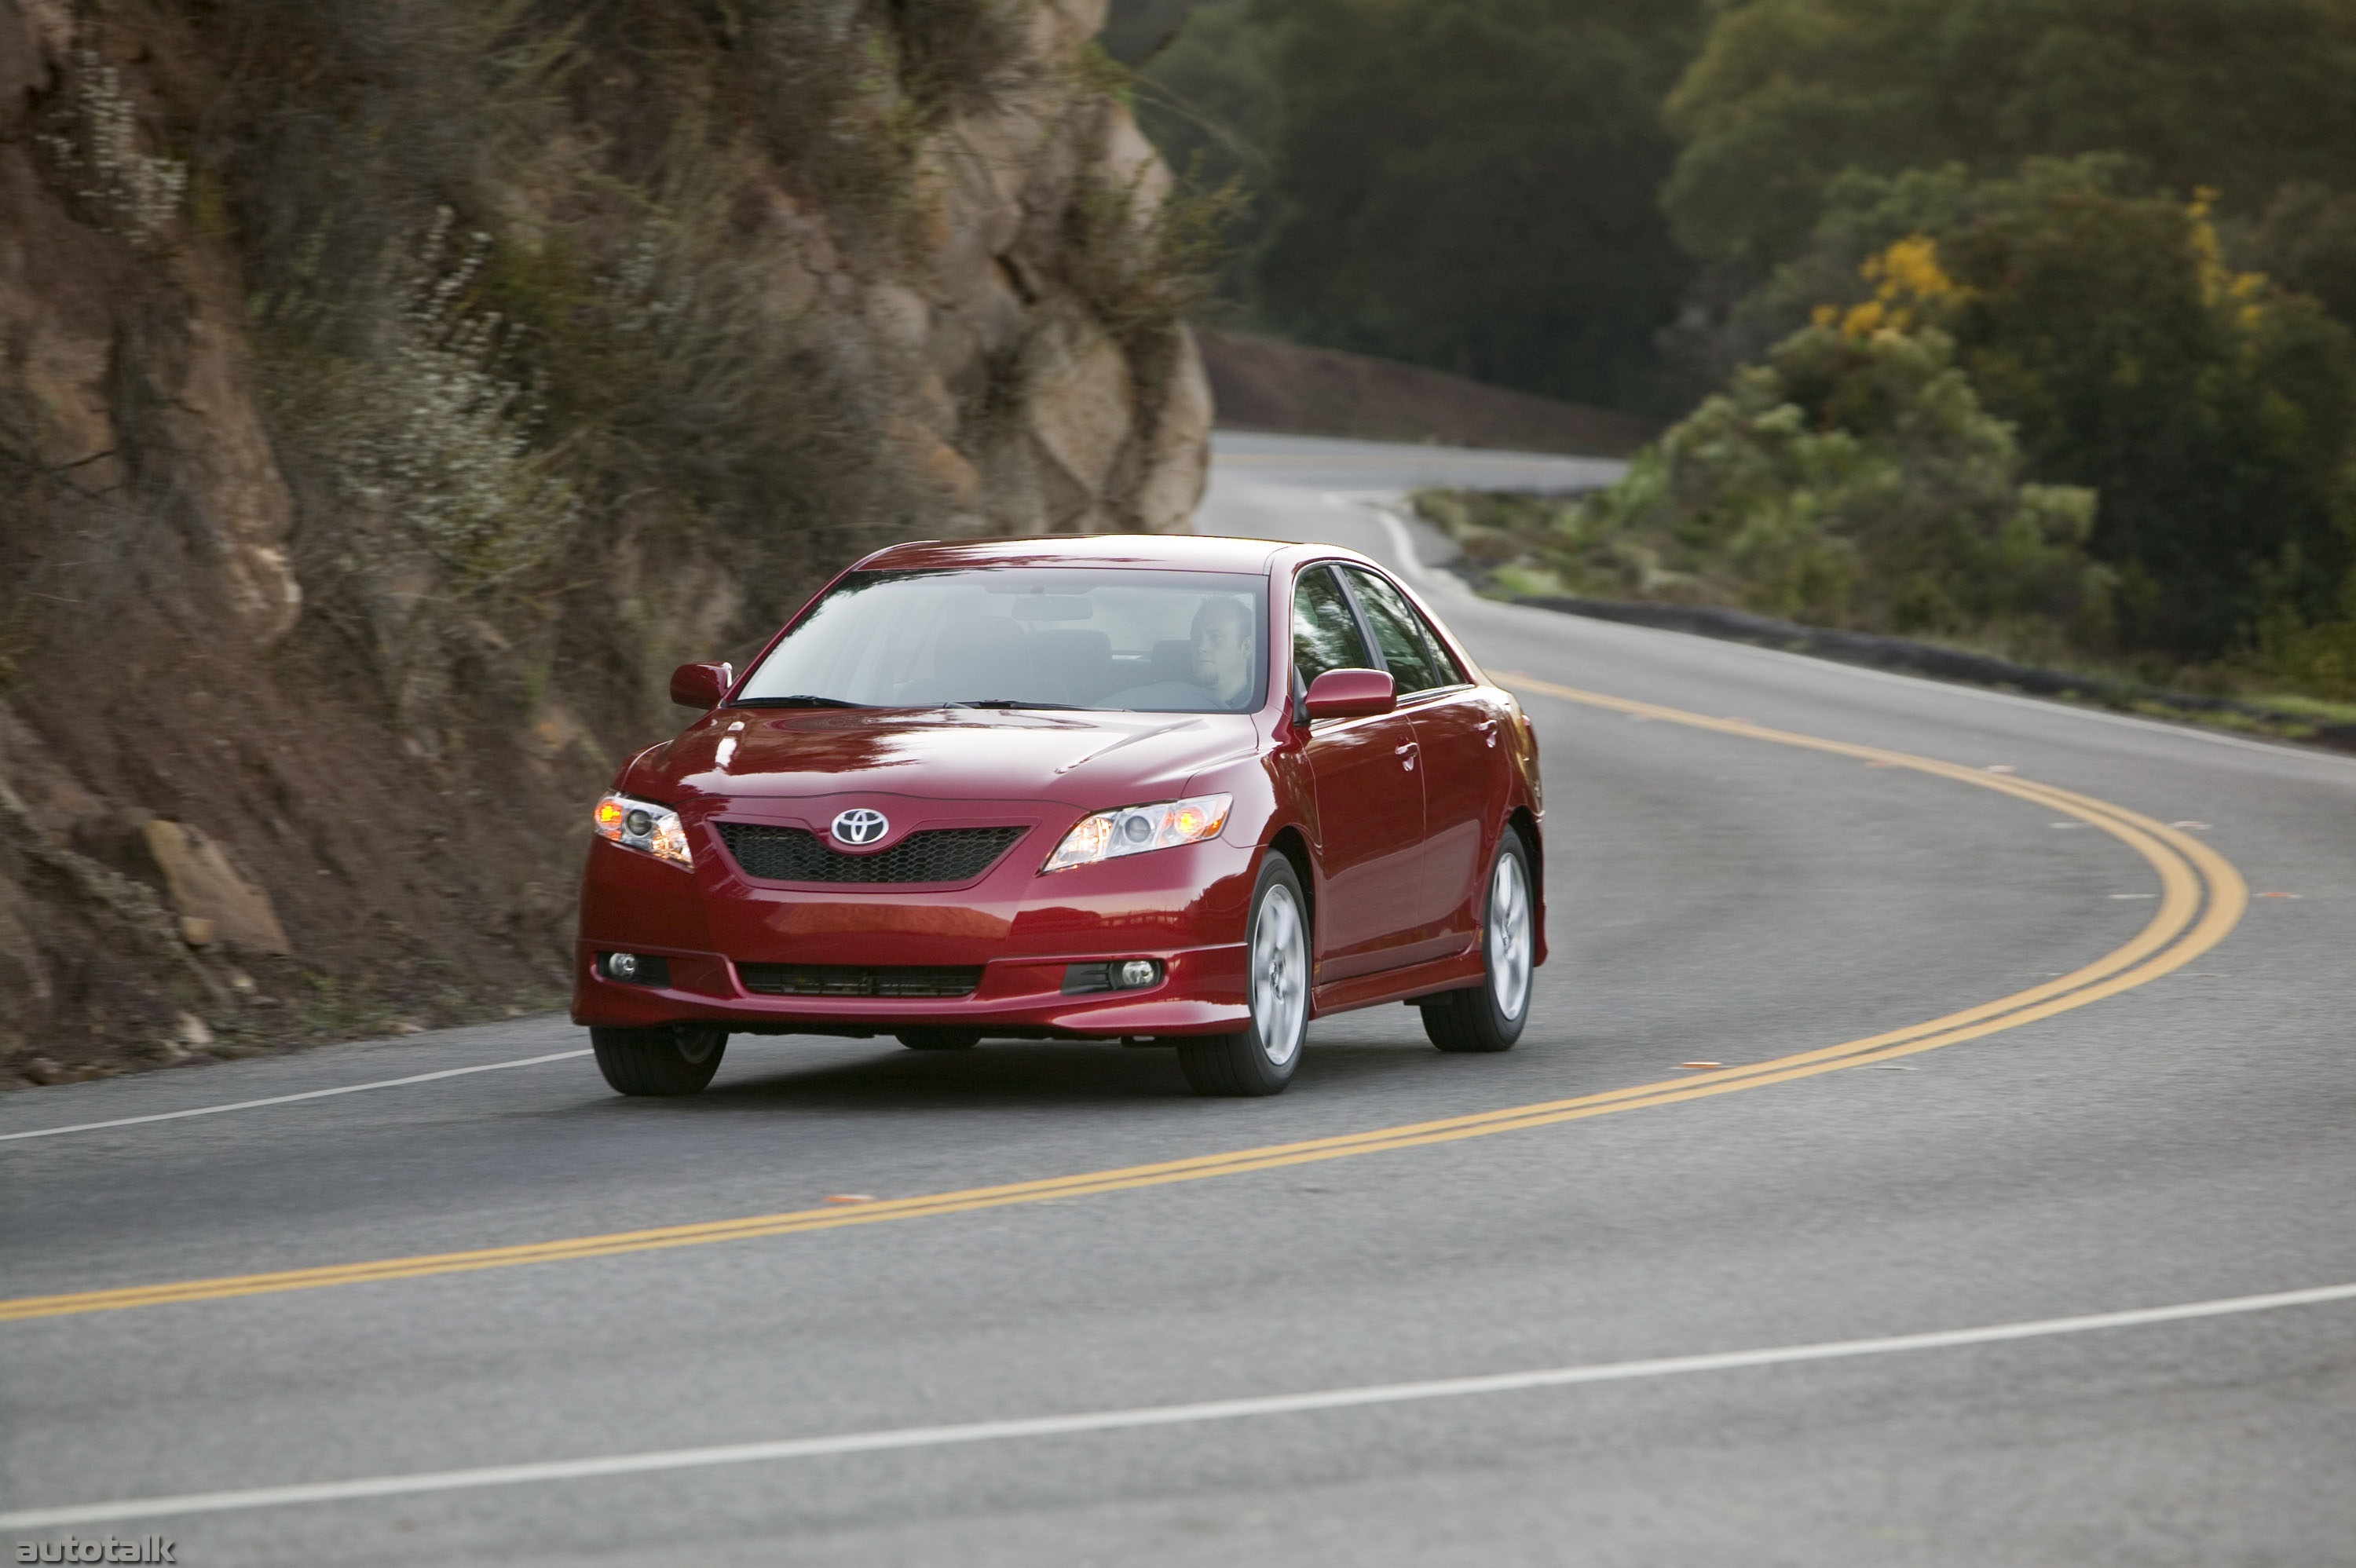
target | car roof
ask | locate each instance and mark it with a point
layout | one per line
(1187, 552)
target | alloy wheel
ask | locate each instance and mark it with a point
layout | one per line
(1508, 937)
(1279, 972)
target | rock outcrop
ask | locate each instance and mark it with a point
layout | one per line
(294, 723)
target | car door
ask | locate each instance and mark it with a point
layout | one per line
(1463, 761)
(1369, 791)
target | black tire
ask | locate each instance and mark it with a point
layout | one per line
(1244, 1063)
(1481, 1019)
(672, 1059)
(939, 1039)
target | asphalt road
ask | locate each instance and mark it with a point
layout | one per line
(1719, 892)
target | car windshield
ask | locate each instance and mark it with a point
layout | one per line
(1133, 638)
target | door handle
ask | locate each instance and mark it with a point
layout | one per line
(1406, 754)
(1488, 727)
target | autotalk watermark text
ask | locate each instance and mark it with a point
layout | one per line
(74, 1549)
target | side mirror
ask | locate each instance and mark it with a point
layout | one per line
(701, 686)
(1351, 694)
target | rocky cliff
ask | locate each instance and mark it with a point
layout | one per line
(390, 395)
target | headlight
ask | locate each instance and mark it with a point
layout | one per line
(643, 825)
(1134, 829)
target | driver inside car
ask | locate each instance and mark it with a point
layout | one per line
(1222, 639)
(1220, 646)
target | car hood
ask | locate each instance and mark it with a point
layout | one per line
(1090, 760)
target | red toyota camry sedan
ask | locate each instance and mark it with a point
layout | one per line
(1165, 791)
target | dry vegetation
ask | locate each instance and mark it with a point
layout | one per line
(393, 393)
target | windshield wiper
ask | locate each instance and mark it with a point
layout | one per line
(802, 700)
(1002, 702)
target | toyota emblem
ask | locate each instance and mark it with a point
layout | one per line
(860, 825)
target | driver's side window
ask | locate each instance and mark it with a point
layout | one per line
(1325, 631)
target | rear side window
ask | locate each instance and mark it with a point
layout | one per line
(1324, 632)
(1408, 651)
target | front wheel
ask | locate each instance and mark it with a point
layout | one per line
(1262, 1059)
(670, 1058)
(1489, 1016)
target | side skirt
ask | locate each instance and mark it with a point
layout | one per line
(1398, 984)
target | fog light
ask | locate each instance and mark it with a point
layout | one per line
(636, 969)
(1118, 974)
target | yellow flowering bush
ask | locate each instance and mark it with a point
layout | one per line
(2213, 411)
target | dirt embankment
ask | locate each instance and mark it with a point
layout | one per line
(1263, 383)
(390, 395)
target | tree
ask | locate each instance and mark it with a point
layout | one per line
(1465, 184)
(2306, 240)
(2240, 95)
(1208, 97)
(2213, 412)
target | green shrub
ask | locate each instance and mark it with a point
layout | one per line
(439, 501)
(1850, 481)
(479, 431)
(2286, 651)
(956, 57)
(1143, 264)
(429, 436)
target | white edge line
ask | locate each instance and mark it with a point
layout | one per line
(907, 1437)
(290, 1099)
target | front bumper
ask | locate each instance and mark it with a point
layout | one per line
(1201, 992)
(1184, 907)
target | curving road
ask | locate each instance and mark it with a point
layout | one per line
(2005, 1218)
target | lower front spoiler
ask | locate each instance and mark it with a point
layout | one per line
(1202, 991)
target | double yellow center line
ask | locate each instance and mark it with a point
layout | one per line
(2202, 898)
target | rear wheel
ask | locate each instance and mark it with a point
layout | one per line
(1489, 1016)
(670, 1058)
(1262, 1059)
(939, 1039)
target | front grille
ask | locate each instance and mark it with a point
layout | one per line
(797, 855)
(844, 981)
